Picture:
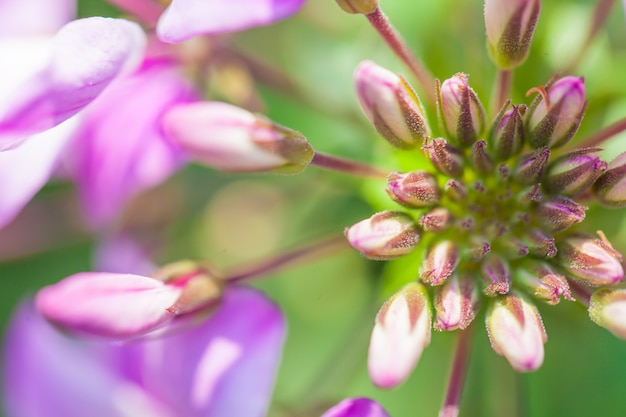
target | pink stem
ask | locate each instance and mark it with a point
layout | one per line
(604, 134)
(347, 166)
(147, 11)
(452, 402)
(502, 90)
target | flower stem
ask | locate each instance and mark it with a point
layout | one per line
(381, 23)
(347, 166)
(290, 258)
(147, 11)
(604, 134)
(452, 402)
(502, 90)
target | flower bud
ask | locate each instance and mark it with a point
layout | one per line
(516, 332)
(532, 166)
(456, 303)
(497, 274)
(539, 243)
(385, 235)
(401, 332)
(507, 137)
(462, 115)
(608, 309)
(610, 188)
(554, 119)
(436, 220)
(441, 261)
(234, 140)
(413, 189)
(540, 280)
(391, 105)
(446, 158)
(456, 190)
(574, 172)
(510, 25)
(358, 6)
(481, 160)
(560, 213)
(590, 260)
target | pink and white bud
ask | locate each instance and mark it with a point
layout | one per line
(497, 275)
(436, 220)
(358, 6)
(516, 332)
(560, 213)
(440, 262)
(590, 260)
(554, 120)
(608, 309)
(543, 282)
(385, 235)
(121, 306)
(413, 189)
(456, 303)
(401, 332)
(232, 139)
(610, 188)
(446, 158)
(510, 25)
(461, 113)
(391, 105)
(573, 173)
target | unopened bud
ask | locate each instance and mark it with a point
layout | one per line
(532, 166)
(608, 309)
(560, 213)
(401, 332)
(456, 303)
(507, 137)
(441, 261)
(477, 248)
(496, 274)
(590, 260)
(540, 243)
(554, 120)
(436, 220)
(358, 6)
(413, 189)
(510, 25)
(512, 248)
(610, 188)
(481, 160)
(462, 114)
(574, 172)
(385, 235)
(456, 190)
(446, 158)
(391, 105)
(516, 332)
(231, 139)
(542, 281)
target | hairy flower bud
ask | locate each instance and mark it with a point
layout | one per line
(532, 166)
(539, 243)
(608, 309)
(456, 190)
(358, 6)
(456, 303)
(413, 189)
(560, 213)
(401, 332)
(231, 139)
(391, 105)
(542, 281)
(497, 274)
(481, 160)
(555, 118)
(610, 187)
(516, 332)
(385, 235)
(436, 220)
(446, 158)
(507, 137)
(590, 260)
(510, 25)
(574, 172)
(441, 261)
(461, 113)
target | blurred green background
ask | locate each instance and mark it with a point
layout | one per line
(300, 74)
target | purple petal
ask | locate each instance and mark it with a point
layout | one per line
(86, 55)
(34, 17)
(25, 169)
(184, 19)
(356, 407)
(208, 370)
(121, 148)
(120, 253)
(49, 375)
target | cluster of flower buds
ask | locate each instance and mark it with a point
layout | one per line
(493, 217)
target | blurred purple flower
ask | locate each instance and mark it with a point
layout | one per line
(204, 371)
(356, 407)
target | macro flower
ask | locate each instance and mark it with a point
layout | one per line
(356, 407)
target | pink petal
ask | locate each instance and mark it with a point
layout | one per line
(34, 17)
(356, 407)
(108, 305)
(184, 19)
(121, 148)
(120, 253)
(85, 56)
